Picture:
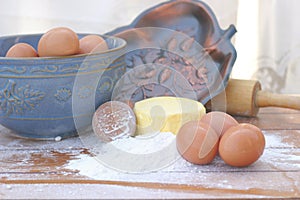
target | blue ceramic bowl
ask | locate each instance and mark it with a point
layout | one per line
(37, 94)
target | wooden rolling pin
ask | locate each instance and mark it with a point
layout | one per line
(245, 97)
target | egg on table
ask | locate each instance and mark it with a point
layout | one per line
(197, 142)
(242, 145)
(113, 120)
(219, 121)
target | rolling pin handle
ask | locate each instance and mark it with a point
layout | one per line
(267, 99)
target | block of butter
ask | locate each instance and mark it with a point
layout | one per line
(165, 114)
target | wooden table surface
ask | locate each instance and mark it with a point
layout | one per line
(66, 169)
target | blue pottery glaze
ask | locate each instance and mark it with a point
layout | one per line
(36, 93)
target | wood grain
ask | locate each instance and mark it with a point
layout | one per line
(39, 169)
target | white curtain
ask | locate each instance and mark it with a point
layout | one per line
(268, 44)
(91, 16)
(267, 41)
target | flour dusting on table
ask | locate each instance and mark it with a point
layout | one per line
(215, 175)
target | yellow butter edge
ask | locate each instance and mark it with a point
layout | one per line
(144, 128)
(146, 104)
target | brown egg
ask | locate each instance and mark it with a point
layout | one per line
(219, 121)
(59, 41)
(92, 43)
(21, 50)
(112, 120)
(197, 142)
(242, 145)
